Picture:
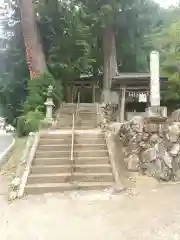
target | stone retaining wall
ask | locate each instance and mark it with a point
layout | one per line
(150, 145)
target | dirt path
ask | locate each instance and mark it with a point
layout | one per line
(153, 213)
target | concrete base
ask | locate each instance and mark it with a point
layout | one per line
(156, 111)
(130, 115)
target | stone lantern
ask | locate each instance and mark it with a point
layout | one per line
(49, 104)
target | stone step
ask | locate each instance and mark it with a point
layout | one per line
(96, 153)
(52, 154)
(81, 105)
(84, 114)
(69, 107)
(47, 188)
(89, 135)
(92, 177)
(79, 125)
(61, 187)
(89, 141)
(87, 111)
(51, 161)
(66, 161)
(54, 147)
(92, 160)
(61, 168)
(89, 147)
(65, 119)
(83, 123)
(55, 141)
(80, 173)
(87, 118)
(48, 178)
(98, 168)
(67, 111)
(55, 136)
(87, 106)
(57, 168)
(35, 169)
(61, 127)
(69, 104)
(85, 127)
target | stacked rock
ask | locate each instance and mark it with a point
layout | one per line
(108, 114)
(152, 145)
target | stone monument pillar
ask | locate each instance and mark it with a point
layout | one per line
(49, 104)
(155, 110)
(154, 81)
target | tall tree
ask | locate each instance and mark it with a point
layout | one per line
(128, 21)
(101, 15)
(34, 50)
(109, 45)
(13, 67)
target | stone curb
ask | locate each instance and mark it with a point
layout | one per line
(28, 164)
(5, 155)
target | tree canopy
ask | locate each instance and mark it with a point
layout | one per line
(71, 34)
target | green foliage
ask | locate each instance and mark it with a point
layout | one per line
(13, 68)
(37, 93)
(66, 39)
(31, 122)
(71, 33)
(34, 109)
(167, 41)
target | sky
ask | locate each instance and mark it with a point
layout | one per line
(165, 3)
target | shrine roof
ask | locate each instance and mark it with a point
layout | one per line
(86, 79)
(134, 81)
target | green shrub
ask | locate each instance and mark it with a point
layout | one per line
(37, 93)
(31, 122)
(32, 118)
(44, 124)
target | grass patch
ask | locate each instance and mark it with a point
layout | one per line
(10, 167)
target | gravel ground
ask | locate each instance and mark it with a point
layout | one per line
(151, 213)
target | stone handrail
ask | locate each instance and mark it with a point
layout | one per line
(72, 142)
(72, 146)
(77, 106)
(98, 113)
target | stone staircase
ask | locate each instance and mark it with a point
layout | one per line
(87, 117)
(53, 170)
(64, 117)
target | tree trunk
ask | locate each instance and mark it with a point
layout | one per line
(34, 50)
(110, 60)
